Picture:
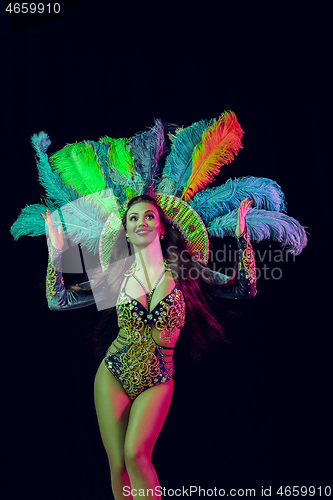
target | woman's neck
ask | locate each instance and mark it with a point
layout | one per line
(149, 258)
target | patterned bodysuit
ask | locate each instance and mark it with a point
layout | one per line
(139, 362)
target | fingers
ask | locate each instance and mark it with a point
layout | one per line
(49, 222)
(247, 201)
(48, 219)
(56, 237)
(245, 204)
(45, 217)
(242, 211)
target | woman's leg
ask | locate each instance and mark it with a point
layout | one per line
(112, 408)
(147, 416)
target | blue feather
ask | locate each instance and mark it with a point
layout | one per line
(40, 142)
(178, 165)
(263, 224)
(217, 201)
(147, 148)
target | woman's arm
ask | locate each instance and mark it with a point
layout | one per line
(60, 298)
(243, 284)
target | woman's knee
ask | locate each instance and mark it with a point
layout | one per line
(118, 469)
(136, 456)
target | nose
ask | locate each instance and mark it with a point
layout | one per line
(143, 222)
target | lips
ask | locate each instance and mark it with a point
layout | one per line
(142, 231)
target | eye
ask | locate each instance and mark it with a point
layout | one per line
(152, 216)
(133, 217)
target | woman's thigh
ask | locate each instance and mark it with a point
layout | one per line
(146, 419)
(112, 408)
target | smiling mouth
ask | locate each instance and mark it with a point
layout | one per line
(143, 231)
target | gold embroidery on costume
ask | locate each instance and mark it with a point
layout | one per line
(50, 279)
(140, 364)
(249, 263)
(172, 318)
(128, 318)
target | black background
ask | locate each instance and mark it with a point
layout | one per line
(251, 414)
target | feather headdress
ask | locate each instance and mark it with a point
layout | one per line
(88, 185)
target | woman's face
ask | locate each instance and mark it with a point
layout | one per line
(143, 224)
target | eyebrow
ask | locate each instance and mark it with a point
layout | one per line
(149, 210)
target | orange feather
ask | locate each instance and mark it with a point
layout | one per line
(219, 143)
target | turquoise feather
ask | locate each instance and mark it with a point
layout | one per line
(30, 222)
(55, 189)
(84, 221)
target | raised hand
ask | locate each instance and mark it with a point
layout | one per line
(242, 211)
(56, 237)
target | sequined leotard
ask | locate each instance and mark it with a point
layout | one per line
(135, 358)
(139, 362)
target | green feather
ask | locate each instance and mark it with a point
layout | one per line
(119, 156)
(78, 167)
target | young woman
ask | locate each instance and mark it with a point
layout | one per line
(153, 186)
(134, 383)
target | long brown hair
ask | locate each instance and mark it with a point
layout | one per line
(196, 290)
